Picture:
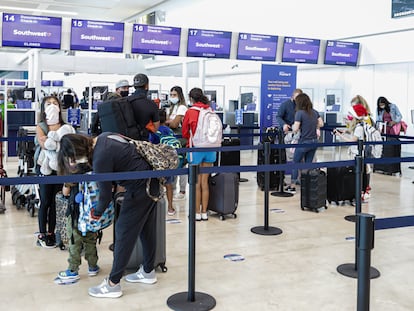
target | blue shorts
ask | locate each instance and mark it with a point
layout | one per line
(201, 157)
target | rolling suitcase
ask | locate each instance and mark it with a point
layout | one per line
(389, 151)
(341, 184)
(136, 258)
(224, 194)
(313, 190)
(277, 156)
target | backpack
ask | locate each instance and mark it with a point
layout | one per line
(117, 116)
(209, 130)
(158, 156)
(88, 198)
(372, 134)
(170, 140)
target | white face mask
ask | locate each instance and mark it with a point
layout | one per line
(174, 100)
(52, 114)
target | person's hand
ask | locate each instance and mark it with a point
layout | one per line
(391, 123)
(286, 128)
(92, 214)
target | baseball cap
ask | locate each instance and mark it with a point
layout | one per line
(121, 83)
(140, 80)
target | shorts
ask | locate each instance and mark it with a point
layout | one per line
(169, 180)
(201, 157)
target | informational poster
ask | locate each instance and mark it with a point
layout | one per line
(277, 85)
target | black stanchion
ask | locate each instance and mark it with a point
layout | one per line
(191, 300)
(352, 269)
(365, 244)
(266, 230)
(358, 182)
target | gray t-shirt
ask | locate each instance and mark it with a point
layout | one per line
(308, 124)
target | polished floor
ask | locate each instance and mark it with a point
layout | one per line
(292, 271)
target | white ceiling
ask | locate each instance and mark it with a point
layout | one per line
(107, 10)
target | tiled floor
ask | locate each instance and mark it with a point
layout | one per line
(292, 271)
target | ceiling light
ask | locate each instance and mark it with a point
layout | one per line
(12, 8)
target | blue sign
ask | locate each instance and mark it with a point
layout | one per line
(277, 85)
(238, 116)
(74, 116)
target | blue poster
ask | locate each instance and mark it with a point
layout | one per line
(74, 117)
(277, 85)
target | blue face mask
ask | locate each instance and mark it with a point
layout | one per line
(1, 101)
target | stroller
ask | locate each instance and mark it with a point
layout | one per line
(26, 196)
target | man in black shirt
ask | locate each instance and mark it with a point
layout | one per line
(145, 110)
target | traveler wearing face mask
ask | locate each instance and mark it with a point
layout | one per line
(387, 113)
(50, 121)
(174, 120)
(122, 88)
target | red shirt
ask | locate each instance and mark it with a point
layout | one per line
(190, 120)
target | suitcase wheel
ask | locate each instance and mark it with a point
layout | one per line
(163, 267)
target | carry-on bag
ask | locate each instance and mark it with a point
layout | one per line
(137, 258)
(341, 184)
(389, 151)
(224, 194)
(313, 190)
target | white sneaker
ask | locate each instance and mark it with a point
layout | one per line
(179, 196)
(142, 277)
(104, 290)
(204, 216)
(198, 216)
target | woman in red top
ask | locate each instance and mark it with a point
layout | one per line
(204, 159)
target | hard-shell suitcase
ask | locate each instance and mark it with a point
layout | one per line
(277, 156)
(224, 194)
(341, 184)
(313, 189)
(137, 258)
(229, 157)
(389, 151)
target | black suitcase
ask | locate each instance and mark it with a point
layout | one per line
(389, 151)
(137, 258)
(341, 184)
(313, 190)
(229, 157)
(277, 156)
(224, 194)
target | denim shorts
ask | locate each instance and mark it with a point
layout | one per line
(201, 157)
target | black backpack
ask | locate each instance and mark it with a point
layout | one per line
(117, 116)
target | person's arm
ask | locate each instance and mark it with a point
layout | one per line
(396, 115)
(40, 136)
(175, 123)
(320, 123)
(296, 126)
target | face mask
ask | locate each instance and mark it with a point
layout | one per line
(382, 106)
(124, 93)
(52, 114)
(1, 101)
(174, 100)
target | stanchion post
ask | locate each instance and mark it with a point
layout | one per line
(281, 192)
(191, 300)
(365, 243)
(266, 230)
(358, 184)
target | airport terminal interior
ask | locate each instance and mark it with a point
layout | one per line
(240, 270)
(296, 270)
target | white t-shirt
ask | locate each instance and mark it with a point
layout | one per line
(358, 132)
(178, 110)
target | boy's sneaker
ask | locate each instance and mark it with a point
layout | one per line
(92, 271)
(290, 189)
(104, 290)
(179, 196)
(68, 275)
(142, 277)
(51, 241)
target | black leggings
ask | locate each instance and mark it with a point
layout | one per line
(47, 209)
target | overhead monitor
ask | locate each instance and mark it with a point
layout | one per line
(341, 53)
(31, 31)
(257, 47)
(208, 43)
(300, 50)
(98, 36)
(158, 40)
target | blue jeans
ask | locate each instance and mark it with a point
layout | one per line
(305, 154)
